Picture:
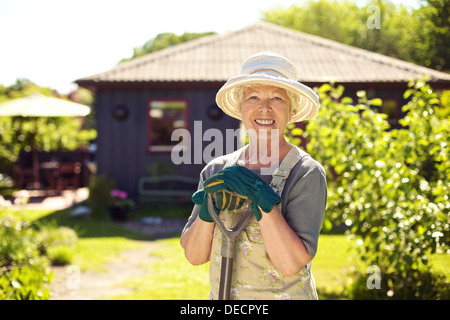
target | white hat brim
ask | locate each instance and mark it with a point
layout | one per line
(306, 109)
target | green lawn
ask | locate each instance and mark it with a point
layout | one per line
(99, 241)
(170, 276)
(330, 265)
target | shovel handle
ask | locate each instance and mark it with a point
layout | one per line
(229, 237)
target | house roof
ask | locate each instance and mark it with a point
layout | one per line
(216, 58)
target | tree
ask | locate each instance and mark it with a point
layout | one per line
(53, 133)
(165, 40)
(437, 14)
(417, 35)
(336, 20)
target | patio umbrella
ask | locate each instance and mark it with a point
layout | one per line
(38, 105)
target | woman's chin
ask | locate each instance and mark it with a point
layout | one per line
(262, 133)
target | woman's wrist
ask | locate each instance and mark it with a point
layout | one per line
(274, 209)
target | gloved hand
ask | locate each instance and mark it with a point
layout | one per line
(247, 184)
(224, 201)
(227, 201)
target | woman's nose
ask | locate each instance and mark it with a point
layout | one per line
(265, 105)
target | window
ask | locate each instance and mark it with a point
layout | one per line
(390, 107)
(164, 116)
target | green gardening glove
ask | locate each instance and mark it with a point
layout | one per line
(227, 201)
(224, 201)
(245, 183)
(201, 198)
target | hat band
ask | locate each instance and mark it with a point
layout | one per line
(270, 70)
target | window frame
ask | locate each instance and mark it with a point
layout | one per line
(397, 110)
(167, 148)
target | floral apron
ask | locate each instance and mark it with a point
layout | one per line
(254, 276)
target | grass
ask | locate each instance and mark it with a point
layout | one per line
(330, 265)
(170, 276)
(100, 241)
(25, 215)
(91, 254)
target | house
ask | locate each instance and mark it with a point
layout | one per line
(141, 102)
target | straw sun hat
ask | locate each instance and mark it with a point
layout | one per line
(267, 68)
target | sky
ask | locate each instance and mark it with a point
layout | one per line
(55, 42)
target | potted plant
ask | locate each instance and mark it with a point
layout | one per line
(120, 205)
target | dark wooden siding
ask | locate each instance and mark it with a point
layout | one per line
(122, 145)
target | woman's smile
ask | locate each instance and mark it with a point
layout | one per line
(265, 122)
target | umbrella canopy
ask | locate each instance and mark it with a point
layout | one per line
(38, 105)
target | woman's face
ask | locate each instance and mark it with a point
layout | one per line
(265, 108)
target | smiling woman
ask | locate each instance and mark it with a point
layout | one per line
(265, 114)
(287, 194)
(265, 107)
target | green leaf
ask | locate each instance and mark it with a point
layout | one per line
(376, 102)
(408, 93)
(346, 100)
(296, 132)
(327, 225)
(325, 88)
(435, 101)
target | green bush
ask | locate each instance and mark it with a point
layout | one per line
(18, 245)
(56, 243)
(100, 188)
(26, 251)
(24, 283)
(60, 255)
(423, 285)
(50, 234)
(390, 187)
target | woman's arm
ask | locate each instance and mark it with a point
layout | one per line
(284, 247)
(197, 241)
(291, 238)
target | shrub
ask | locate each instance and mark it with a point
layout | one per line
(60, 255)
(50, 234)
(57, 243)
(26, 250)
(388, 186)
(24, 283)
(17, 244)
(23, 271)
(423, 285)
(100, 188)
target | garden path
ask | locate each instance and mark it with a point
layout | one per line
(71, 284)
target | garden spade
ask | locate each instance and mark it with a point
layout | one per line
(228, 249)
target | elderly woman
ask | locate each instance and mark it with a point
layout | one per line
(283, 186)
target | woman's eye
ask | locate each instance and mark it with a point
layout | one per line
(253, 98)
(278, 98)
